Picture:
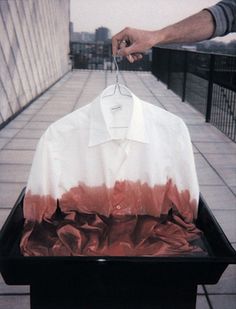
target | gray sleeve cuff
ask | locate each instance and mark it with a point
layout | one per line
(224, 17)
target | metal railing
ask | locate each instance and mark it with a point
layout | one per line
(206, 81)
(98, 56)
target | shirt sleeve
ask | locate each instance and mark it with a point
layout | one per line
(42, 188)
(224, 14)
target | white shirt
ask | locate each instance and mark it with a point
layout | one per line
(118, 155)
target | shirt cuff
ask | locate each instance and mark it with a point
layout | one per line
(219, 20)
(223, 14)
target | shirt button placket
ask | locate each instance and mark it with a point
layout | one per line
(118, 196)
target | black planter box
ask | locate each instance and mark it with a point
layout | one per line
(114, 282)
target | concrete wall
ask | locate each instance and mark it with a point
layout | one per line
(34, 47)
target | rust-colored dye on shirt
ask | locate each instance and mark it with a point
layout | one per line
(129, 198)
(130, 219)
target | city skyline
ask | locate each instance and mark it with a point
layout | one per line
(150, 14)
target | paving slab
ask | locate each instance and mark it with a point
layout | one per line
(170, 101)
(216, 148)
(223, 301)
(12, 289)
(9, 193)
(8, 133)
(37, 125)
(201, 133)
(200, 290)
(23, 144)
(227, 283)
(16, 156)
(233, 189)
(46, 118)
(202, 302)
(228, 174)
(221, 160)
(172, 108)
(3, 142)
(4, 213)
(206, 175)
(52, 111)
(23, 117)
(150, 99)
(28, 133)
(37, 105)
(195, 150)
(227, 219)
(191, 119)
(218, 197)
(15, 301)
(16, 124)
(29, 111)
(14, 173)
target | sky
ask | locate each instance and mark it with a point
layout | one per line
(87, 15)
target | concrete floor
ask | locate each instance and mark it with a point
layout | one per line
(215, 157)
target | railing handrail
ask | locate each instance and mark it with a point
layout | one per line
(182, 49)
(181, 71)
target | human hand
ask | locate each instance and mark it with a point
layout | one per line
(131, 42)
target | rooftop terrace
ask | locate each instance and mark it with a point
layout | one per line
(215, 157)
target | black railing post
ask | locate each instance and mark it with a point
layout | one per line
(169, 68)
(185, 74)
(153, 64)
(210, 88)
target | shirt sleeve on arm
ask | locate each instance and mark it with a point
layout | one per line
(224, 14)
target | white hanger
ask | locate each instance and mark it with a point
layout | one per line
(118, 86)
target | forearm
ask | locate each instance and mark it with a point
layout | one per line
(195, 28)
(198, 27)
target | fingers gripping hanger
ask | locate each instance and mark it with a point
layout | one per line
(117, 84)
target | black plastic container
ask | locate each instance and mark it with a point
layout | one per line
(114, 282)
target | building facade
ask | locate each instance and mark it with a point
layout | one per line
(34, 48)
(102, 34)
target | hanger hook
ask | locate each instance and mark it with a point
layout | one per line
(117, 70)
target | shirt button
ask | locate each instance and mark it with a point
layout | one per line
(118, 207)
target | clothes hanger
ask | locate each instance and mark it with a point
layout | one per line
(118, 86)
(117, 89)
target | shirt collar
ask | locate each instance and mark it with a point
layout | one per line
(98, 131)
